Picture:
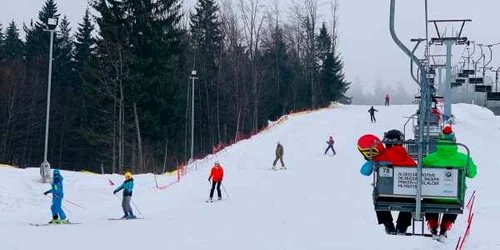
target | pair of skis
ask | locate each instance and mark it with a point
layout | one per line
(76, 223)
(54, 224)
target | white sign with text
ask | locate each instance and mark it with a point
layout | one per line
(435, 181)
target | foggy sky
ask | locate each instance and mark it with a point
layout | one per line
(364, 40)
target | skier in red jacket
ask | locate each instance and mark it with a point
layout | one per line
(393, 154)
(216, 176)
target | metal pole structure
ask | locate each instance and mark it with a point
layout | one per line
(423, 107)
(440, 80)
(45, 166)
(496, 79)
(193, 77)
(427, 47)
(447, 83)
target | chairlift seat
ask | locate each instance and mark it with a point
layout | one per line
(468, 72)
(395, 189)
(482, 88)
(476, 80)
(493, 96)
(460, 80)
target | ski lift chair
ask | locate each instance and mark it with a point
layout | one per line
(493, 96)
(468, 72)
(395, 187)
(482, 88)
(476, 80)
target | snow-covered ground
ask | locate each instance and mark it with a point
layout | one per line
(319, 202)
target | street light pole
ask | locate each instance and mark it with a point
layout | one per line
(45, 166)
(193, 77)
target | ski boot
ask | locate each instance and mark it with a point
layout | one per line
(62, 221)
(401, 230)
(220, 198)
(131, 216)
(389, 228)
(125, 216)
(445, 227)
(433, 228)
(283, 167)
(55, 219)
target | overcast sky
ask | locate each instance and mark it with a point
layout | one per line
(367, 49)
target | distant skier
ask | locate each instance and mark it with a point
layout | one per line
(127, 186)
(279, 156)
(57, 191)
(436, 114)
(372, 114)
(447, 156)
(330, 143)
(216, 176)
(387, 99)
(392, 154)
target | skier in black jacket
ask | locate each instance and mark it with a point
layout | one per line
(372, 114)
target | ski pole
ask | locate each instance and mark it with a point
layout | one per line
(75, 204)
(225, 190)
(136, 208)
(65, 208)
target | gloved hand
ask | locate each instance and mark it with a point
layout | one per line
(366, 169)
(114, 192)
(46, 192)
(208, 179)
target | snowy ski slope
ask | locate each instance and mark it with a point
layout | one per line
(319, 202)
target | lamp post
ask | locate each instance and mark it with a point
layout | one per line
(45, 166)
(192, 77)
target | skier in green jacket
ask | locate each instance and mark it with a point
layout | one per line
(447, 156)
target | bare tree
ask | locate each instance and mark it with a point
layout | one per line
(252, 22)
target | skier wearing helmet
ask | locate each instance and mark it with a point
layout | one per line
(393, 154)
(127, 186)
(447, 155)
(330, 143)
(58, 215)
(216, 176)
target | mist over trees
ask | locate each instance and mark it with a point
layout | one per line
(366, 96)
(121, 93)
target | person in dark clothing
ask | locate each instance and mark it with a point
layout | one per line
(372, 114)
(279, 156)
(216, 176)
(330, 143)
(393, 154)
(387, 99)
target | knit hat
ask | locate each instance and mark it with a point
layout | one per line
(447, 129)
(447, 134)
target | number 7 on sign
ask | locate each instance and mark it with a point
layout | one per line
(385, 172)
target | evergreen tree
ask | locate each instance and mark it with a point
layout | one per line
(278, 76)
(13, 97)
(12, 45)
(84, 42)
(331, 77)
(1, 42)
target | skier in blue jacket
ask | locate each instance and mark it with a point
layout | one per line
(57, 191)
(127, 187)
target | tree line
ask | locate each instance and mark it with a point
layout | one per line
(121, 88)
